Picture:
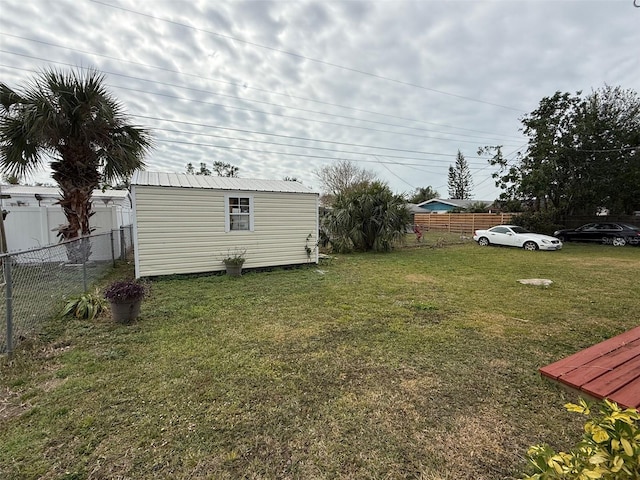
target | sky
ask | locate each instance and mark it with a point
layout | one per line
(284, 88)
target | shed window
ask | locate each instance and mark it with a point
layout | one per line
(239, 213)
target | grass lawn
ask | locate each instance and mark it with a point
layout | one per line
(421, 363)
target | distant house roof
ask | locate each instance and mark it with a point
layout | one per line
(159, 179)
(413, 208)
(455, 202)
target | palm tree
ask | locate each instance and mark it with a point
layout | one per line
(368, 217)
(71, 121)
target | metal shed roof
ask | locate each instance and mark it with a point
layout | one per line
(160, 179)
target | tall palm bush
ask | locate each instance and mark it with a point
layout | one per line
(368, 217)
(70, 120)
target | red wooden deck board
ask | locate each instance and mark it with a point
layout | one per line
(601, 365)
(614, 380)
(628, 396)
(561, 367)
(610, 369)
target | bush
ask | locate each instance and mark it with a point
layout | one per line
(609, 449)
(538, 222)
(86, 306)
(125, 291)
(368, 217)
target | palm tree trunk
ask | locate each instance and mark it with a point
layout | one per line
(77, 177)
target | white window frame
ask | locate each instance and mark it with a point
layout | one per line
(227, 213)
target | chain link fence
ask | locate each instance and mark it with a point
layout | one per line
(36, 282)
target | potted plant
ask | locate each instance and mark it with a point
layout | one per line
(234, 261)
(125, 298)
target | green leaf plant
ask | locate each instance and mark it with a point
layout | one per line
(609, 449)
(85, 306)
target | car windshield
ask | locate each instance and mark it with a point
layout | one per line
(519, 230)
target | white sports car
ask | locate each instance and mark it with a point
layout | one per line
(515, 236)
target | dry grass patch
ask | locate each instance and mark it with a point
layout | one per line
(474, 445)
(421, 279)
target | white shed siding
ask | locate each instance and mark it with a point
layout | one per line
(182, 230)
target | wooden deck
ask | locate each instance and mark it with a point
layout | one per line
(610, 369)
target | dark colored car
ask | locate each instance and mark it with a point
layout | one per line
(608, 233)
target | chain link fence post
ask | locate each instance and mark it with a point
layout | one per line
(113, 248)
(123, 245)
(6, 263)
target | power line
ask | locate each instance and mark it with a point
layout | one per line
(324, 122)
(226, 137)
(252, 110)
(291, 137)
(304, 57)
(235, 85)
(244, 149)
(250, 100)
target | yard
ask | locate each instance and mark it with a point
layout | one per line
(421, 363)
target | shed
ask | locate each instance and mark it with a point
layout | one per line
(189, 223)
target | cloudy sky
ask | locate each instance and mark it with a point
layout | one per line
(286, 87)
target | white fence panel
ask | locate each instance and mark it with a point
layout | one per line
(33, 227)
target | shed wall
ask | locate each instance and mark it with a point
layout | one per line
(182, 230)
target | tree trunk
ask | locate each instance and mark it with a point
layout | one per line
(77, 175)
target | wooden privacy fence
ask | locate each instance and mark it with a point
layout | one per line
(460, 222)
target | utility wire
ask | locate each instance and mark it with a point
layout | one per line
(253, 110)
(224, 95)
(291, 137)
(182, 132)
(244, 149)
(304, 57)
(324, 122)
(242, 85)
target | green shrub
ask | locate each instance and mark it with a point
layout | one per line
(86, 306)
(367, 217)
(538, 222)
(609, 449)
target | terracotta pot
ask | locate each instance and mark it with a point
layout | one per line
(125, 312)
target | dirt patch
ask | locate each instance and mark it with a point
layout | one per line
(52, 384)
(479, 442)
(608, 262)
(419, 278)
(10, 405)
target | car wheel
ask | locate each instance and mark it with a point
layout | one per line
(531, 246)
(483, 242)
(562, 238)
(619, 242)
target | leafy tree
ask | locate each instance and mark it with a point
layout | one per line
(72, 121)
(582, 154)
(477, 207)
(340, 177)
(423, 194)
(222, 169)
(367, 217)
(460, 181)
(204, 170)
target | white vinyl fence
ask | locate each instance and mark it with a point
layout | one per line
(34, 227)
